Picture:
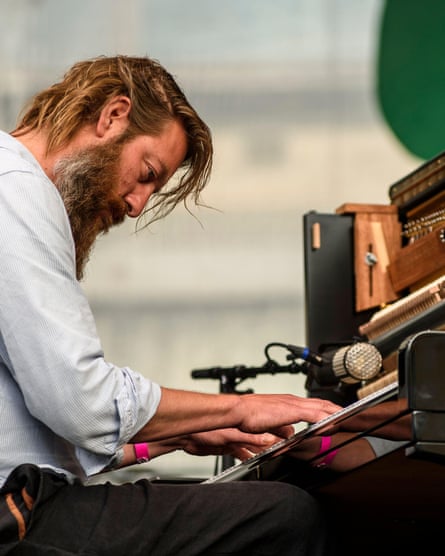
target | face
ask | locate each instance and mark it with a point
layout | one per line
(100, 185)
(147, 163)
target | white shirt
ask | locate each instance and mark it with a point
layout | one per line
(62, 405)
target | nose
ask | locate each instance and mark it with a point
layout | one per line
(137, 199)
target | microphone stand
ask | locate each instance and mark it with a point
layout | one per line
(229, 379)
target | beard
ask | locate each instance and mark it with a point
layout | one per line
(87, 182)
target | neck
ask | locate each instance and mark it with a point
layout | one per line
(37, 143)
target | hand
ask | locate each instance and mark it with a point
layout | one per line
(260, 411)
(231, 442)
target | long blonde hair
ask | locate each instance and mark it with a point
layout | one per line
(62, 109)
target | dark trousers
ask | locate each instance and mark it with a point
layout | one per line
(41, 514)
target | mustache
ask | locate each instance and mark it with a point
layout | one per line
(118, 210)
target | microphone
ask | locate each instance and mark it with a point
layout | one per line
(350, 364)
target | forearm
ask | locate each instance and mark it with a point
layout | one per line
(229, 441)
(153, 449)
(184, 412)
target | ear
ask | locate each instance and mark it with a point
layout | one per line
(113, 118)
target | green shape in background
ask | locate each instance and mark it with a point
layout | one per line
(411, 73)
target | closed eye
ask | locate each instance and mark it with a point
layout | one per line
(148, 177)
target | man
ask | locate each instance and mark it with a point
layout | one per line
(101, 145)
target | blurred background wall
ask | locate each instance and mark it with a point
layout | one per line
(288, 89)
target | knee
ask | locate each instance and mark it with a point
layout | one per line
(297, 505)
(301, 520)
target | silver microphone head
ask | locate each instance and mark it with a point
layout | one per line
(357, 362)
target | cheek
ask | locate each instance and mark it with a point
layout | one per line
(126, 181)
(128, 169)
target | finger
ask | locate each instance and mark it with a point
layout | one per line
(285, 431)
(242, 454)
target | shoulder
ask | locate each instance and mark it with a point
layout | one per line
(30, 204)
(21, 176)
(14, 157)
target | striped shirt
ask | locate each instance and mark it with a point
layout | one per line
(62, 405)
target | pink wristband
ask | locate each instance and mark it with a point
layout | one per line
(324, 446)
(141, 452)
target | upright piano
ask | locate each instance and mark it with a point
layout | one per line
(375, 274)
